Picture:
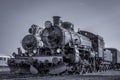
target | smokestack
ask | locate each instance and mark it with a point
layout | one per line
(56, 20)
(19, 51)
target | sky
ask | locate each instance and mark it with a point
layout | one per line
(101, 17)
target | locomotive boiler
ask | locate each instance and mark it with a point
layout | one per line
(61, 34)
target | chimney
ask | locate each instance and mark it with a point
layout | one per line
(19, 51)
(56, 20)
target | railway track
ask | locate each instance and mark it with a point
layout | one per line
(16, 76)
(11, 76)
(64, 77)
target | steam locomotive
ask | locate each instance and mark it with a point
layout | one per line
(58, 49)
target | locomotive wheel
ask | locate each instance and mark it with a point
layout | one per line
(74, 69)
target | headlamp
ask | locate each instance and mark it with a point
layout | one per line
(48, 24)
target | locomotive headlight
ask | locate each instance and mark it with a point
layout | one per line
(58, 50)
(48, 24)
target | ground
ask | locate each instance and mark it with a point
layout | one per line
(108, 75)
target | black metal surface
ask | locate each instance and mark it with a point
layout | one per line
(29, 42)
